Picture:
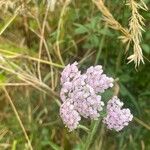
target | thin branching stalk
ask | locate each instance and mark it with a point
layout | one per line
(18, 117)
(31, 80)
(15, 54)
(41, 41)
(51, 67)
(49, 56)
(60, 23)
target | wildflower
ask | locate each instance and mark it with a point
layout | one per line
(86, 102)
(69, 115)
(117, 118)
(79, 94)
(82, 92)
(98, 81)
(69, 73)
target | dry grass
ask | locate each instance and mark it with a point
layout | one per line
(7, 4)
(133, 34)
(18, 118)
(136, 24)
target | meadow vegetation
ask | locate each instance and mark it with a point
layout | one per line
(39, 37)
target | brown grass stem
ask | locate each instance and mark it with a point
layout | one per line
(18, 117)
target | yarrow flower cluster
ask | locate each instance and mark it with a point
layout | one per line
(100, 82)
(117, 118)
(80, 95)
(70, 116)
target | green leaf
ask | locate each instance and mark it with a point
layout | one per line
(94, 40)
(81, 29)
(125, 91)
(105, 31)
(53, 145)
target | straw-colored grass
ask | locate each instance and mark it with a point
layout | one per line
(133, 35)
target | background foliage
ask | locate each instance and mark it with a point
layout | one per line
(32, 35)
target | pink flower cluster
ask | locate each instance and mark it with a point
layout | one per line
(79, 93)
(80, 97)
(100, 82)
(117, 118)
(69, 115)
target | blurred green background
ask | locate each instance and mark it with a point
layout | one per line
(32, 32)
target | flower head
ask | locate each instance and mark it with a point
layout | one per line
(69, 73)
(97, 80)
(117, 118)
(69, 115)
(79, 93)
(86, 102)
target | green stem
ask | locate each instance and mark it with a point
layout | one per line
(100, 47)
(91, 134)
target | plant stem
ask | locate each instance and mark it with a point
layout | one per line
(18, 118)
(100, 47)
(91, 134)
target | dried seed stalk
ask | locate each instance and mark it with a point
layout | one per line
(133, 34)
(136, 27)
